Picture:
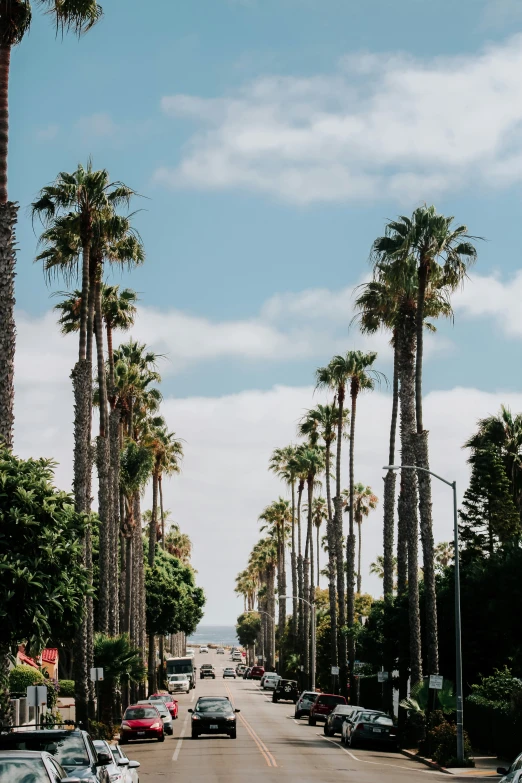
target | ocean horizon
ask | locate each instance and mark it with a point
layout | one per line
(214, 634)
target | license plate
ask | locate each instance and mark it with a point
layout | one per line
(214, 726)
(141, 733)
(377, 731)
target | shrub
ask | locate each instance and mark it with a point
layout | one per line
(22, 676)
(66, 688)
(444, 741)
(100, 731)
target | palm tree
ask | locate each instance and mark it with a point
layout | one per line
(335, 376)
(122, 664)
(377, 567)
(178, 543)
(364, 502)
(319, 514)
(444, 253)
(15, 19)
(119, 312)
(444, 553)
(278, 517)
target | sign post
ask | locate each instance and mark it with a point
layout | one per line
(37, 698)
(436, 682)
(335, 674)
(96, 677)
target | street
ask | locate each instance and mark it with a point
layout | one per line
(270, 745)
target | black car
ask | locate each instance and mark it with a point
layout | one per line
(207, 670)
(247, 674)
(213, 715)
(334, 722)
(370, 728)
(286, 690)
(18, 766)
(72, 748)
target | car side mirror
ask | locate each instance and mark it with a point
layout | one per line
(190, 710)
(134, 764)
(70, 780)
(237, 710)
(123, 763)
(502, 771)
(103, 759)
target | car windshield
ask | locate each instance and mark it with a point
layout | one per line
(140, 713)
(69, 749)
(330, 700)
(214, 705)
(308, 696)
(384, 720)
(178, 678)
(23, 771)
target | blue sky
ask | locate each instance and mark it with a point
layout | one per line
(272, 139)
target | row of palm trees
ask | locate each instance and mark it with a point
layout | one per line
(417, 264)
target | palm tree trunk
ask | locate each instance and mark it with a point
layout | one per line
(350, 543)
(409, 492)
(332, 561)
(338, 529)
(162, 513)
(318, 544)
(421, 453)
(117, 543)
(110, 352)
(300, 574)
(293, 559)
(153, 521)
(359, 543)
(5, 65)
(84, 310)
(8, 212)
(389, 488)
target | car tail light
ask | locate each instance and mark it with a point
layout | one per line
(360, 727)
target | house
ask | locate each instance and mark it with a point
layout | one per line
(47, 661)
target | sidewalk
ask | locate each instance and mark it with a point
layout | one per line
(485, 766)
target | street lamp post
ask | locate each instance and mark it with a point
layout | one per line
(314, 644)
(261, 611)
(458, 632)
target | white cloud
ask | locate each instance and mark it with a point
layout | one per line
(382, 126)
(99, 124)
(492, 297)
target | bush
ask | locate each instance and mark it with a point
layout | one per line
(66, 688)
(444, 741)
(100, 731)
(494, 714)
(22, 676)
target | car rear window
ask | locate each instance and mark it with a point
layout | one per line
(309, 696)
(23, 771)
(331, 700)
(68, 749)
(140, 713)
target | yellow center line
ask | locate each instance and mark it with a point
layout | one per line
(270, 760)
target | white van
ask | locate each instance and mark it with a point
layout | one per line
(269, 681)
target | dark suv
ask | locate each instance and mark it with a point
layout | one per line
(286, 690)
(73, 749)
(207, 670)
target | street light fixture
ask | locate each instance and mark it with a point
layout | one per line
(312, 607)
(261, 611)
(458, 633)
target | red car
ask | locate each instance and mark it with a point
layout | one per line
(256, 673)
(141, 722)
(170, 703)
(323, 706)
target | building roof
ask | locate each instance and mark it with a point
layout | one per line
(50, 655)
(23, 658)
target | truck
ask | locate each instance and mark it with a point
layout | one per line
(182, 666)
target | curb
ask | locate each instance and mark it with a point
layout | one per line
(432, 764)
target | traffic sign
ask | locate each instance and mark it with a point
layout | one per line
(335, 671)
(36, 695)
(382, 676)
(97, 675)
(436, 682)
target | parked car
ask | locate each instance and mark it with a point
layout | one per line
(203, 649)
(371, 728)
(304, 702)
(240, 669)
(247, 674)
(178, 683)
(207, 670)
(514, 773)
(229, 672)
(285, 690)
(269, 681)
(237, 656)
(189, 653)
(122, 769)
(166, 717)
(323, 706)
(141, 721)
(220, 651)
(170, 703)
(334, 721)
(213, 715)
(355, 711)
(256, 673)
(73, 749)
(18, 766)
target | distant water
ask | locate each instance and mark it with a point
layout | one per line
(214, 634)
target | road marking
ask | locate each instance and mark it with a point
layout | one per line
(270, 760)
(192, 697)
(180, 740)
(377, 763)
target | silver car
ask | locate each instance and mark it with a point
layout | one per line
(514, 773)
(26, 765)
(123, 770)
(163, 711)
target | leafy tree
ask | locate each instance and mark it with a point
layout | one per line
(248, 627)
(174, 602)
(42, 579)
(488, 515)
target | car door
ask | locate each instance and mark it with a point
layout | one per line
(100, 773)
(515, 771)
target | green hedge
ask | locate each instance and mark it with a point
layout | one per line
(66, 688)
(22, 676)
(495, 729)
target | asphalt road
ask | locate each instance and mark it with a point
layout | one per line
(270, 746)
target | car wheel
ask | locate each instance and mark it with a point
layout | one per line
(195, 735)
(311, 721)
(325, 731)
(122, 741)
(232, 735)
(274, 699)
(161, 738)
(351, 744)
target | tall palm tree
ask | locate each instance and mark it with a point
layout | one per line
(15, 19)
(335, 376)
(277, 518)
(442, 252)
(319, 514)
(119, 312)
(377, 567)
(364, 502)
(178, 543)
